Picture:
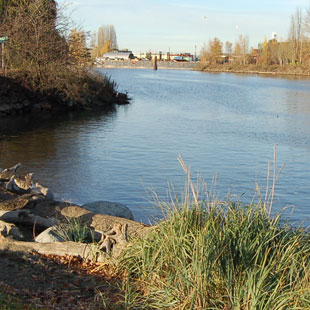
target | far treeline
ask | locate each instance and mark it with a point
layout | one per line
(288, 56)
(45, 55)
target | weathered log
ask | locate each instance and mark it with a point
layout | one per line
(20, 185)
(10, 230)
(24, 217)
(118, 235)
(42, 190)
(85, 251)
(102, 222)
(6, 174)
(20, 202)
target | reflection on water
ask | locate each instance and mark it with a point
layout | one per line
(40, 137)
(219, 123)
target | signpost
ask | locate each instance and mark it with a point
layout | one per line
(3, 41)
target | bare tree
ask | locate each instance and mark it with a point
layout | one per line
(110, 35)
(35, 46)
(265, 53)
(243, 42)
(237, 53)
(306, 22)
(107, 40)
(228, 48)
(296, 35)
(204, 54)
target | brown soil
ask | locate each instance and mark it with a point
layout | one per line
(51, 282)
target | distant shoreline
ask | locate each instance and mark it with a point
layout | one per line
(237, 69)
(165, 65)
(274, 70)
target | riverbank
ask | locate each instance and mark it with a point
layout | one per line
(276, 70)
(54, 254)
(95, 93)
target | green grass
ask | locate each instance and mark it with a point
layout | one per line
(208, 254)
(75, 230)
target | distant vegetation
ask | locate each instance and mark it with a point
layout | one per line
(291, 55)
(46, 56)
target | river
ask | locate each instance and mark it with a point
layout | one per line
(225, 124)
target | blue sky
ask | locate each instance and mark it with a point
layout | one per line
(180, 25)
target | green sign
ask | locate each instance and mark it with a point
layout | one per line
(3, 39)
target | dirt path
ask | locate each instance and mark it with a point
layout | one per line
(51, 282)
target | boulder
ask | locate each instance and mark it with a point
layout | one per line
(49, 235)
(76, 211)
(109, 208)
(5, 108)
(10, 230)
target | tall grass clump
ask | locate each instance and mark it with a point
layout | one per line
(210, 254)
(75, 230)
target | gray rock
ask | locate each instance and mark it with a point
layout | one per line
(17, 106)
(26, 103)
(36, 106)
(49, 235)
(5, 108)
(109, 208)
(10, 230)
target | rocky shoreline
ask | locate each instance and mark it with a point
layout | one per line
(30, 219)
(16, 99)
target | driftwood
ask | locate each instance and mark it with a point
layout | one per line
(21, 202)
(112, 243)
(6, 174)
(26, 204)
(103, 222)
(26, 218)
(118, 235)
(20, 185)
(85, 251)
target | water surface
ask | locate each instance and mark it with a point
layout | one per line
(219, 123)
